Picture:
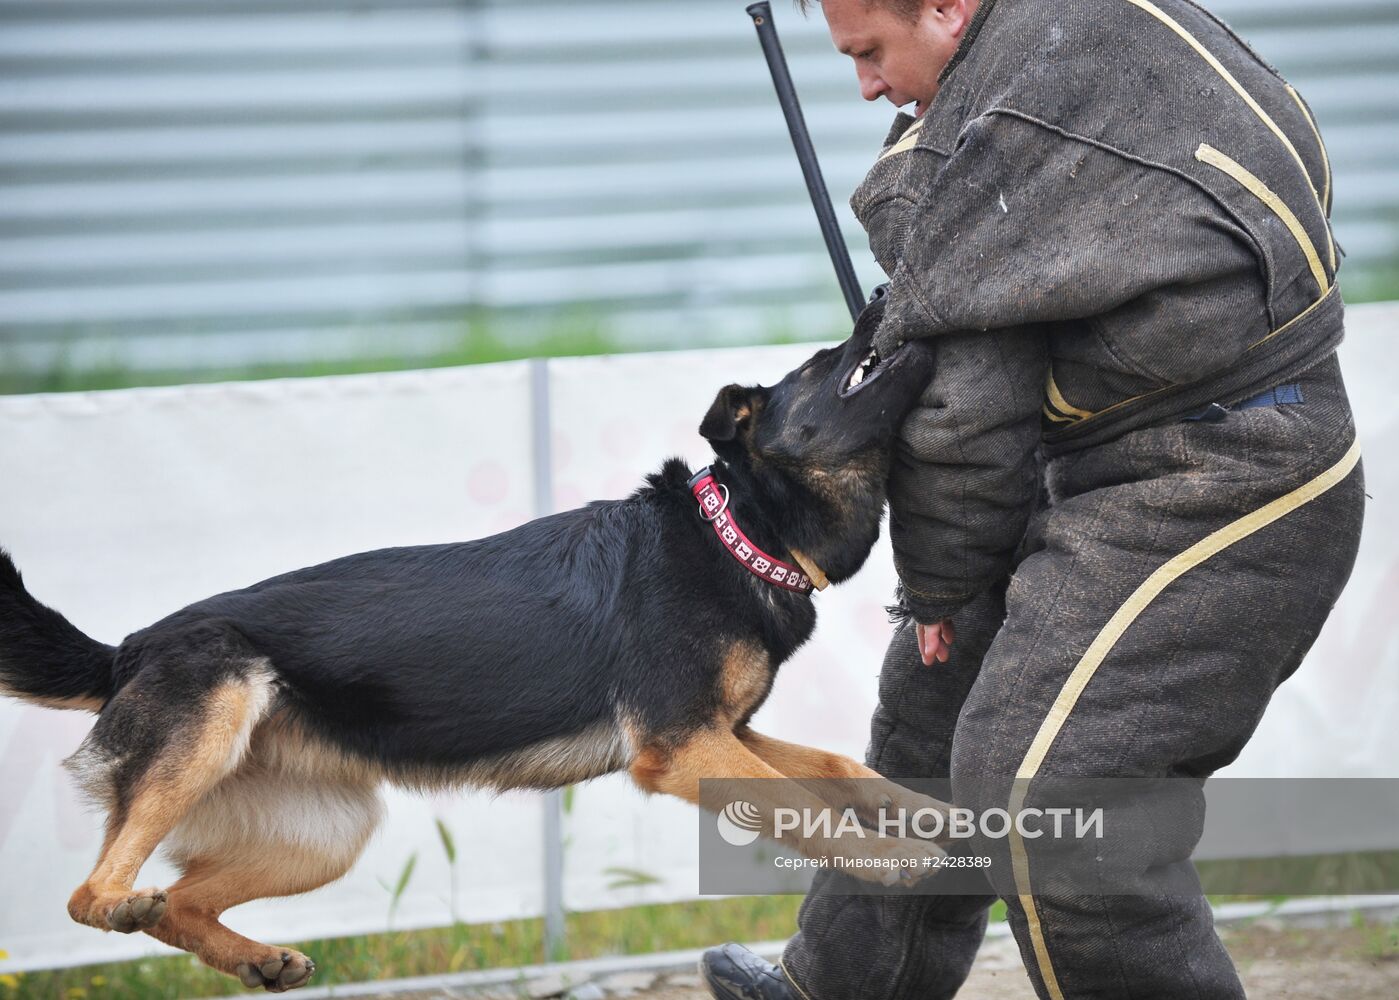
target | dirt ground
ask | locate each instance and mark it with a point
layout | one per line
(1276, 962)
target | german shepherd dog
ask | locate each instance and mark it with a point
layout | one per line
(249, 732)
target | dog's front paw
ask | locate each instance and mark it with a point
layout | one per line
(911, 860)
(889, 861)
(885, 806)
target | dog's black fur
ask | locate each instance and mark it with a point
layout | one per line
(560, 650)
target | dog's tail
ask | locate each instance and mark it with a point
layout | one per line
(43, 657)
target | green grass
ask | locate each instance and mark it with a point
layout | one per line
(464, 947)
(461, 948)
(1306, 875)
(1381, 941)
(507, 944)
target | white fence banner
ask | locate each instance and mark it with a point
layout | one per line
(123, 506)
(120, 507)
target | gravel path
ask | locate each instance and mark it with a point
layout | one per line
(1276, 962)
(1274, 965)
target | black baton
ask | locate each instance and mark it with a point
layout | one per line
(761, 13)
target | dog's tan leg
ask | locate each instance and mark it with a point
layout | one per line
(192, 763)
(798, 761)
(292, 818)
(720, 755)
(840, 780)
(211, 886)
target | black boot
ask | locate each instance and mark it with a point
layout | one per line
(735, 973)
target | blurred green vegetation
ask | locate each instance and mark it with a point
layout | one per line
(478, 343)
(1379, 283)
(472, 348)
(479, 340)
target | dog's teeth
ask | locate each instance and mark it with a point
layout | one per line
(866, 366)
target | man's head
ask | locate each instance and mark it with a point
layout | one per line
(899, 46)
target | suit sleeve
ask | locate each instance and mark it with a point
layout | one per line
(964, 479)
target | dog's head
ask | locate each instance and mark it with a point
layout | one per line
(815, 448)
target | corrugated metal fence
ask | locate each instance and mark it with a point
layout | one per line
(205, 181)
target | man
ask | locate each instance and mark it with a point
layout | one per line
(1113, 219)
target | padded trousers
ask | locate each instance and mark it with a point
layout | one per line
(1176, 576)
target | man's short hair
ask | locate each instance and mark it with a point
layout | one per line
(906, 9)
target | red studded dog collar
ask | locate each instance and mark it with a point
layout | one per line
(713, 498)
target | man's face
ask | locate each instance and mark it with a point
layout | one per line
(897, 58)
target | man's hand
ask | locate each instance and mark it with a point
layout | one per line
(935, 642)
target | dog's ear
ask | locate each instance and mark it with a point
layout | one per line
(731, 412)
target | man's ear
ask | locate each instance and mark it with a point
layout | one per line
(732, 411)
(952, 15)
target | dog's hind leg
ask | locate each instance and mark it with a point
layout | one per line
(212, 885)
(292, 818)
(177, 729)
